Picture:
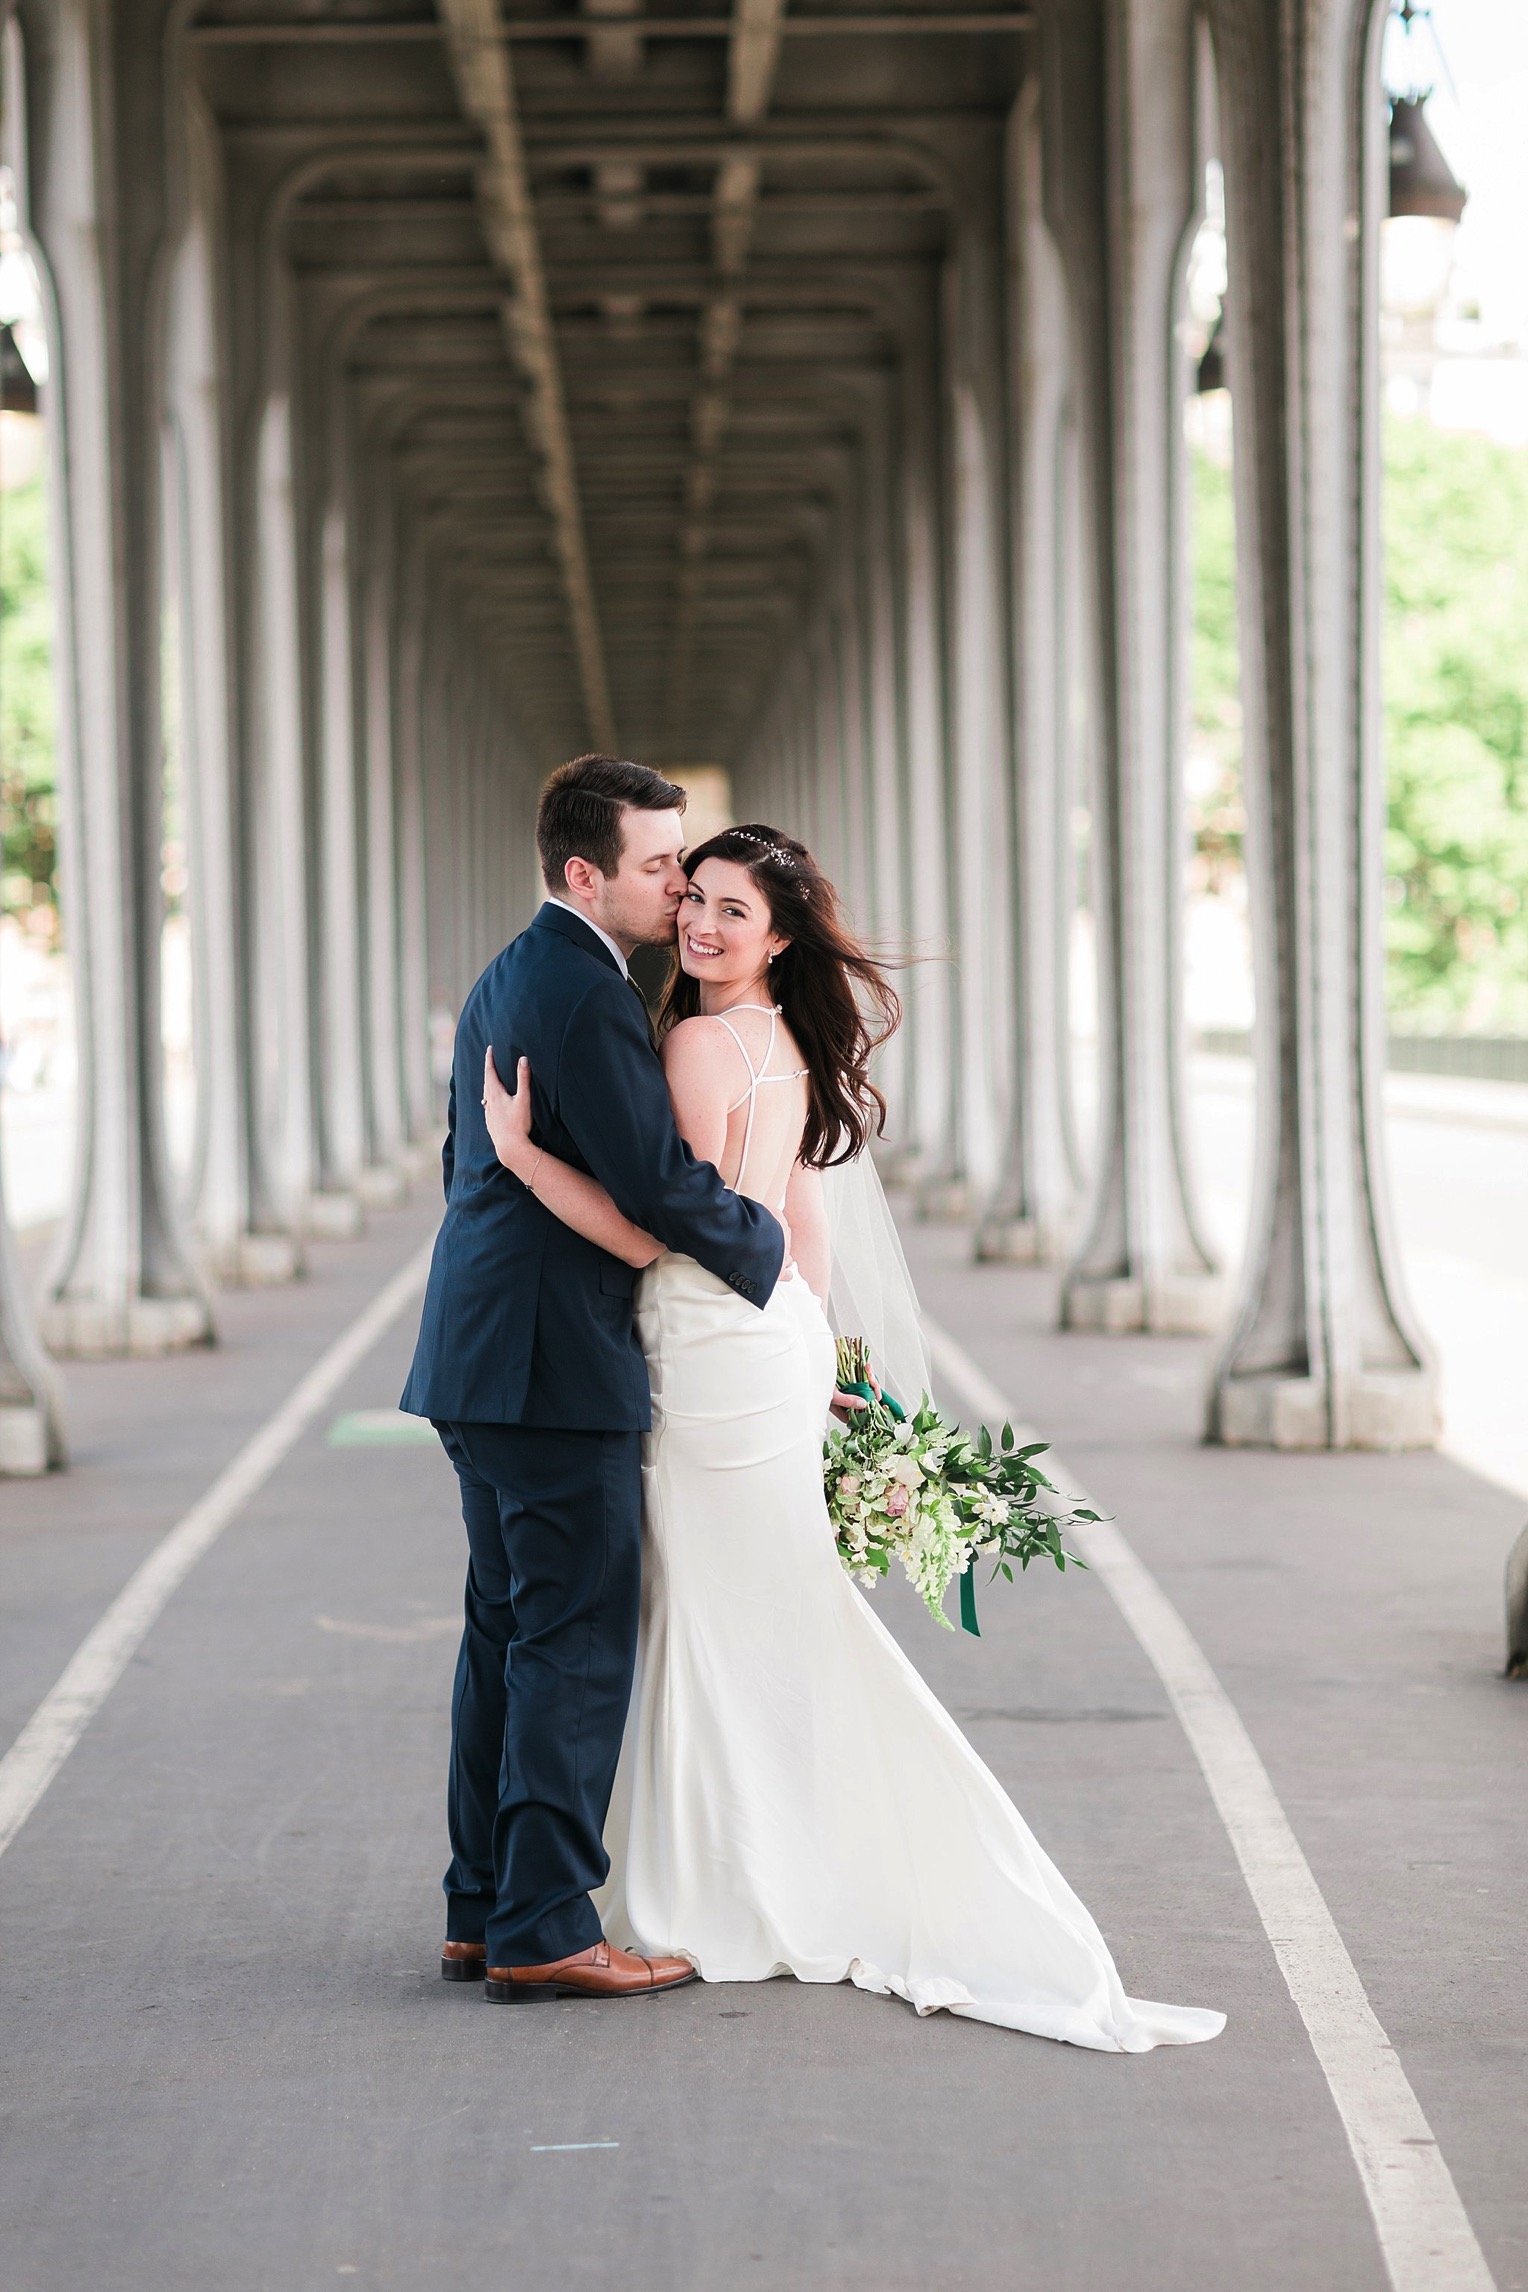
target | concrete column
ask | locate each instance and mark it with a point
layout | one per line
(284, 1162)
(123, 1279)
(197, 543)
(471, 840)
(807, 761)
(31, 1398)
(888, 917)
(1122, 199)
(494, 901)
(1032, 1212)
(387, 1123)
(341, 1064)
(803, 765)
(439, 826)
(828, 742)
(465, 765)
(31, 1405)
(931, 982)
(1324, 1351)
(460, 765)
(980, 705)
(413, 925)
(854, 873)
(1080, 688)
(810, 761)
(476, 825)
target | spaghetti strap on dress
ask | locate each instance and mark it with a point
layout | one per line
(758, 1076)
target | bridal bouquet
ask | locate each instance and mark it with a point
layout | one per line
(919, 1490)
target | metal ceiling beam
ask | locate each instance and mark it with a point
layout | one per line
(325, 210)
(666, 140)
(349, 33)
(771, 203)
(485, 82)
(752, 60)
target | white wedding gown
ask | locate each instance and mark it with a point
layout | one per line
(791, 1798)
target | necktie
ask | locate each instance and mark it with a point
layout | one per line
(647, 1016)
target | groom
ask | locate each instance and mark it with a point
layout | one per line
(529, 1367)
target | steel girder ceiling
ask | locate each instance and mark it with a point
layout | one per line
(615, 301)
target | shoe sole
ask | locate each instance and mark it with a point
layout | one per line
(463, 1969)
(531, 1993)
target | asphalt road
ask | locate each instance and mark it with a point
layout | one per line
(229, 2059)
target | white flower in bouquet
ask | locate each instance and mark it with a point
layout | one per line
(913, 1488)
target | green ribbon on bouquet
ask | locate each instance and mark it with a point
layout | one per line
(852, 1353)
(887, 1401)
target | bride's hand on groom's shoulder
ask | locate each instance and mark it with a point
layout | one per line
(508, 1113)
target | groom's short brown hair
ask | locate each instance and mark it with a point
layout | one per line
(579, 816)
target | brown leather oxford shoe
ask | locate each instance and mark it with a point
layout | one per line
(463, 1961)
(600, 1972)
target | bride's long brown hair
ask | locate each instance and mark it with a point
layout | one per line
(835, 998)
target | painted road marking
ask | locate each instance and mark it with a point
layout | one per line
(64, 1713)
(394, 1635)
(1424, 2233)
(560, 2148)
(382, 1428)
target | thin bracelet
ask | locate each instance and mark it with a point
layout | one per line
(530, 1183)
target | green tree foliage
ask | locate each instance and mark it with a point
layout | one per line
(1456, 727)
(27, 799)
(1456, 718)
(1215, 798)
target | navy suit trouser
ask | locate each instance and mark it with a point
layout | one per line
(542, 1682)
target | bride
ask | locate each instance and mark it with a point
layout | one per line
(791, 1798)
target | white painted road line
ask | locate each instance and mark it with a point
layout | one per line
(1424, 2232)
(57, 1724)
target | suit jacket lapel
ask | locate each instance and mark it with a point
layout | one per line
(566, 925)
(647, 1016)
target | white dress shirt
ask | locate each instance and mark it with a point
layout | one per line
(568, 906)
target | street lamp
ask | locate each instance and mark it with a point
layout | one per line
(1426, 202)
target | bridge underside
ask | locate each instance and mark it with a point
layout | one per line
(794, 393)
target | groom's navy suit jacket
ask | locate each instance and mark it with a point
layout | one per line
(525, 1322)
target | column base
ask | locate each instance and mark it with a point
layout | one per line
(897, 1165)
(944, 1202)
(1388, 1409)
(384, 1186)
(1177, 1305)
(23, 1441)
(84, 1330)
(1188, 1304)
(1113, 1306)
(1394, 1409)
(250, 1260)
(265, 1261)
(336, 1217)
(1517, 1609)
(1008, 1241)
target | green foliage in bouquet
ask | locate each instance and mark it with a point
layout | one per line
(915, 1488)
